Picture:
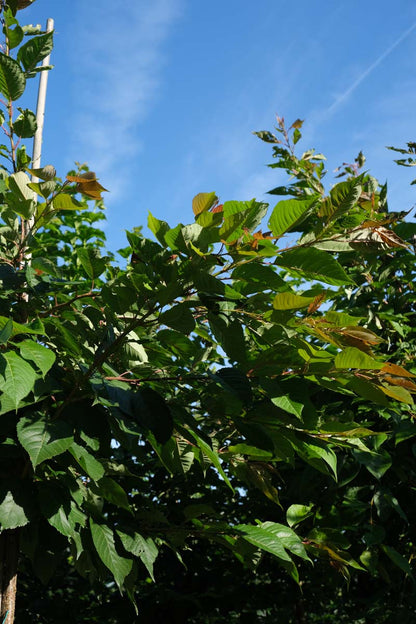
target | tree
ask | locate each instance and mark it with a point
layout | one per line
(143, 402)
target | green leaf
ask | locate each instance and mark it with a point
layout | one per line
(314, 264)
(159, 228)
(6, 331)
(291, 301)
(91, 261)
(298, 513)
(237, 382)
(25, 125)
(212, 456)
(17, 377)
(93, 468)
(18, 184)
(143, 547)
(376, 463)
(178, 317)
(153, 413)
(288, 405)
(263, 539)
(42, 438)
(398, 559)
(287, 213)
(203, 202)
(43, 358)
(14, 37)
(12, 507)
(288, 538)
(113, 492)
(351, 357)
(64, 201)
(104, 542)
(12, 78)
(35, 50)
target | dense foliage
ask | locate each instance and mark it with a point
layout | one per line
(223, 402)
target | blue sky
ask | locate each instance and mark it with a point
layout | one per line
(160, 97)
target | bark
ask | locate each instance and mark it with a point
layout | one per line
(9, 555)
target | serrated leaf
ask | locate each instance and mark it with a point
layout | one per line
(42, 438)
(288, 405)
(263, 539)
(179, 317)
(398, 559)
(18, 183)
(288, 538)
(291, 301)
(297, 513)
(93, 468)
(12, 78)
(25, 125)
(12, 513)
(143, 547)
(314, 264)
(287, 213)
(104, 542)
(153, 413)
(92, 262)
(43, 358)
(203, 202)
(17, 377)
(351, 357)
(35, 50)
(113, 492)
(212, 456)
(6, 331)
(63, 201)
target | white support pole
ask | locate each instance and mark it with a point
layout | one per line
(37, 140)
(40, 109)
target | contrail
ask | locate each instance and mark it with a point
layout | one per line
(368, 71)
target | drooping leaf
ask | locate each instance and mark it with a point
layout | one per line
(113, 492)
(17, 377)
(203, 202)
(35, 50)
(15, 503)
(42, 438)
(287, 213)
(63, 201)
(12, 78)
(104, 542)
(351, 357)
(314, 264)
(297, 513)
(92, 262)
(291, 301)
(398, 559)
(6, 331)
(93, 468)
(143, 547)
(25, 125)
(152, 412)
(179, 317)
(263, 539)
(37, 353)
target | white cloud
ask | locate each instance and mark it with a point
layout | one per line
(122, 57)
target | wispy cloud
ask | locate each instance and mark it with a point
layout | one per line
(341, 98)
(122, 54)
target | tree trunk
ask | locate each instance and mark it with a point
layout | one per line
(9, 555)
